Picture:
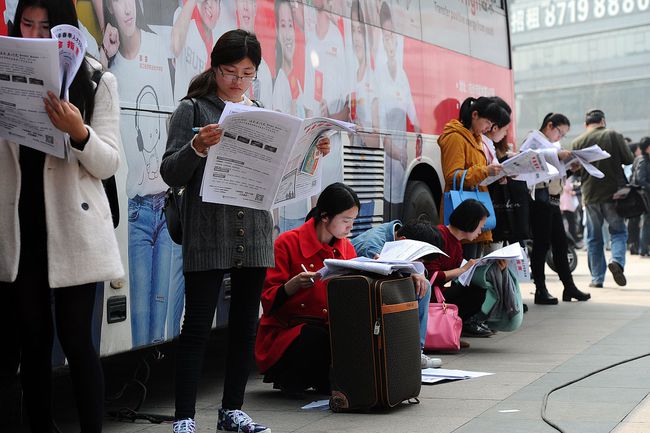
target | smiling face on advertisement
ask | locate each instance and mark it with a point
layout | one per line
(209, 11)
(124, 12)
(246, 14)
(358, 33)
(286, 32)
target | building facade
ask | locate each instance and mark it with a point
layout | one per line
(570, 56)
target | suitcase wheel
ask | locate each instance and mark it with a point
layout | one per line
(338, 402)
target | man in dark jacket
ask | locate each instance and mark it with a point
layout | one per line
(597, 197)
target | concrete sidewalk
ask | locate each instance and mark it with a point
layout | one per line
(555, 345)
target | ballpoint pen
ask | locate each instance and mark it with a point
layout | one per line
(305, 269)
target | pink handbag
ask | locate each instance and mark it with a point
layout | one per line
(443, 326)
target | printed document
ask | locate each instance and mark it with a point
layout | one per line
(511, 252)
(586, 156)
(526, 162)
(29, 68)
(334, 267)
(265, 159)
(407, 250)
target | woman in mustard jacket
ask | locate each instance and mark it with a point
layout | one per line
(462, 149)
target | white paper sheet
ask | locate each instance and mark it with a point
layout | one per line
(317, 405)
(433, 375)
(586, 156)
(510, 252)
(29, 68)
(526, 162)
(408, 250)
(265, 158)
(334, 267)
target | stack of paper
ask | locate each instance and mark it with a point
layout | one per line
(334, 267)
(512, 251)
(407, 250)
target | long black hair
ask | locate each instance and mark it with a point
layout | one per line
(336, 198)
(485, 107)
(232, 47)
(82, 94)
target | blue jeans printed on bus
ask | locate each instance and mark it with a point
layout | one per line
(176, 293)
(150, 254)
(597, 214)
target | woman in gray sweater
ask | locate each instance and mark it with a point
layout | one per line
(217, 239)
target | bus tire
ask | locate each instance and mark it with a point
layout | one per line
(419, 203)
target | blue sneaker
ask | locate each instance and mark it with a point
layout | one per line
(238, 421)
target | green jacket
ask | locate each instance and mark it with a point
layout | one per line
(595, 190)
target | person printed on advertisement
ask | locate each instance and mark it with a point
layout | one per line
(132, 49)
(364, 105)
(398, 107)
(287, 92)
(287, 89)
(262, 89)
(325, 93)
(192, 40)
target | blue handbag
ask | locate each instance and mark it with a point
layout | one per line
(456, 196)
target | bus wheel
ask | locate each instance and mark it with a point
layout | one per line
(419, 203)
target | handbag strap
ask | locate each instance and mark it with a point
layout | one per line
(462, 180)
(436, 290)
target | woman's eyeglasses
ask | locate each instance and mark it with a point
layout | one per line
(562, 133)
(234, 78)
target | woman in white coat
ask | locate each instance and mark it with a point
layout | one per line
(56, 236)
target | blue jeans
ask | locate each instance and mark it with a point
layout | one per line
(597, 215)
(150, 255)
(423, 314)
(176, 293)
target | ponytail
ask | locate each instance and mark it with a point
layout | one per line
(486, 107)
(556, 120)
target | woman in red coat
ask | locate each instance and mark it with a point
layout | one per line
(292, 347)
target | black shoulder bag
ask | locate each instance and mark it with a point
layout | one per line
(174, 197)
(630, 200)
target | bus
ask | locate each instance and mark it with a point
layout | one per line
(398, 69)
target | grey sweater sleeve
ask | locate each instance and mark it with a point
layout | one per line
(180, 161)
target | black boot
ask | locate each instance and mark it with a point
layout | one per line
(542, 297)
(573, 292)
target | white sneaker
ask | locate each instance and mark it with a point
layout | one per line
(186, 425)
(426, 362)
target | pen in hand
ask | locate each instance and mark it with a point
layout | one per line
(305, 269)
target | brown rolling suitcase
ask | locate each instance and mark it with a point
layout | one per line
(375, 342)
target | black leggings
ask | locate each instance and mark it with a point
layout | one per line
(27, 329)
(468, 299)
(305, 364)
(201, 295)
(548, 232)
